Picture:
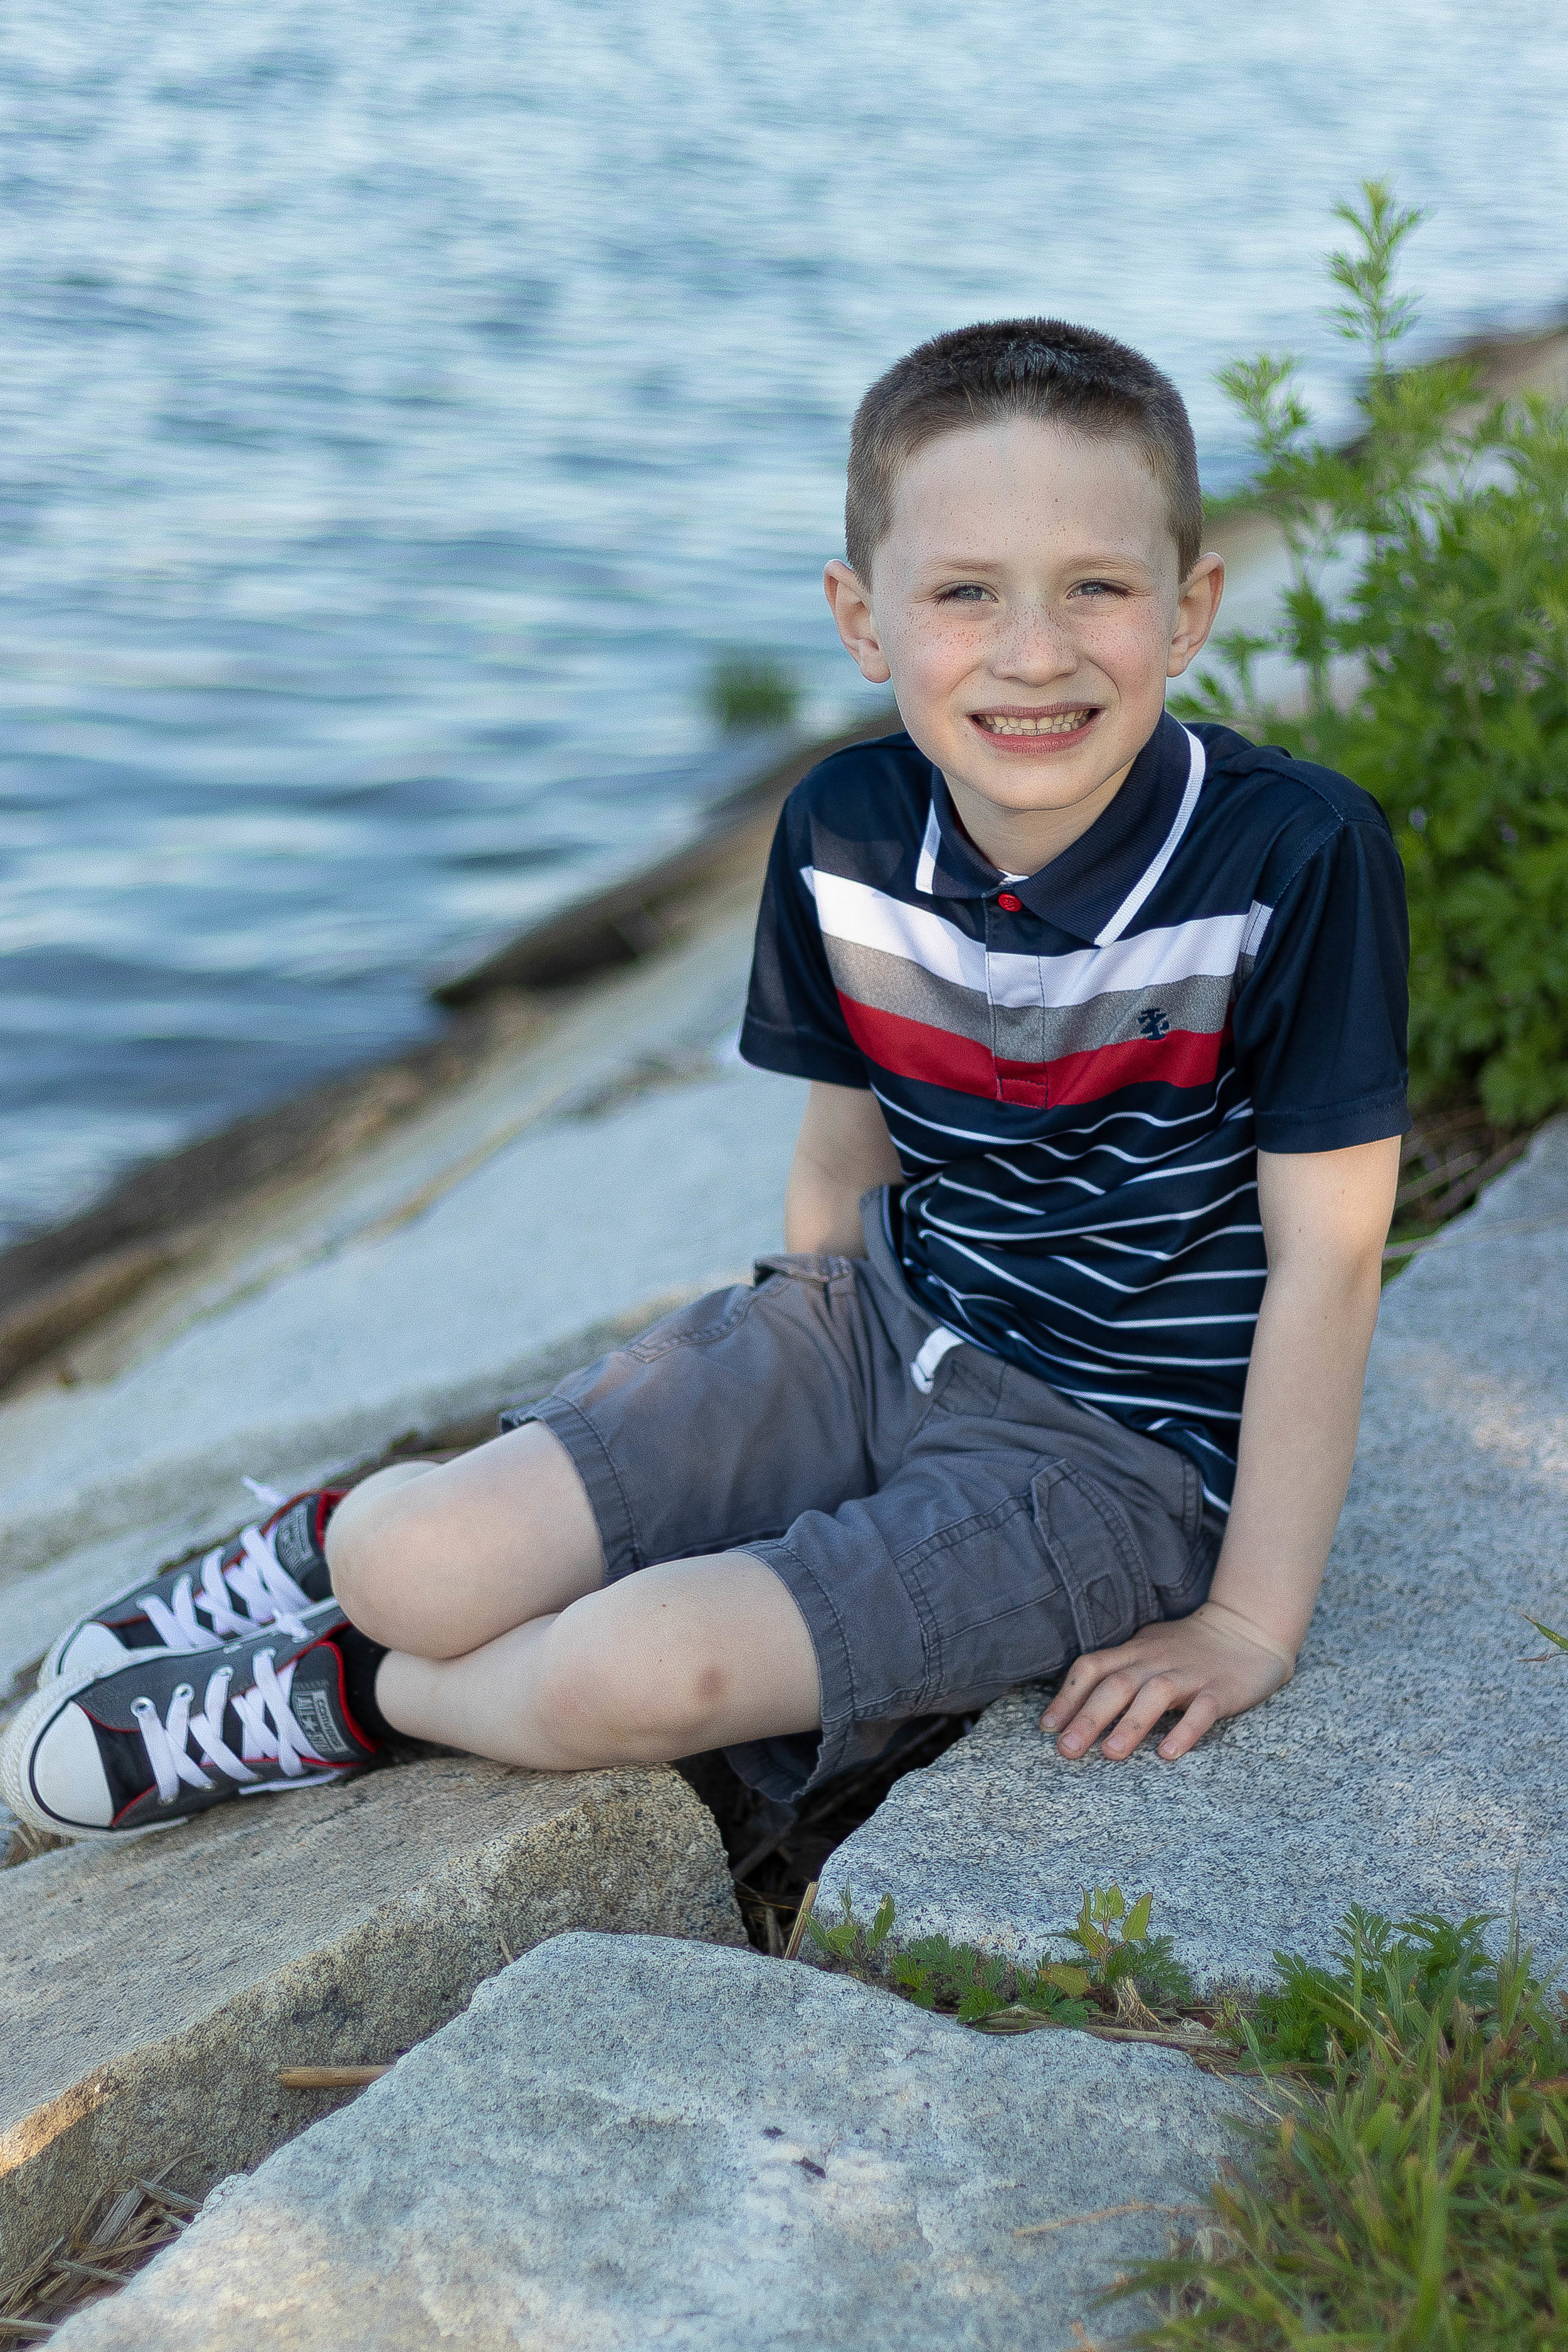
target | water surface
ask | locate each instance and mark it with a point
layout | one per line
(402, 403)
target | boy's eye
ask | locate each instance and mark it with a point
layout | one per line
(965, 591)
(1096, 588)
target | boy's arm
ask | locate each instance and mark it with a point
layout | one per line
(1325, 1218)
(842, 1151)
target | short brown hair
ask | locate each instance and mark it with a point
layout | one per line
(1019, 367)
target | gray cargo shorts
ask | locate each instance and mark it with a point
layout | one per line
(946, 1523)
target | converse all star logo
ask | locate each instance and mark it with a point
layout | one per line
(292, 1536)
(313, 1711)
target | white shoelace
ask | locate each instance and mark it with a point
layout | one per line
(257, 1579)
(281, 1743)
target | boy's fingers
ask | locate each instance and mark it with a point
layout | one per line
(1157, 1697)
(1128, 1683)
(1202, 1716)
(1083, 1676)
(1079, 1680)
(1101, 1707)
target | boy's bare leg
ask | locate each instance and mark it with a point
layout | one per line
(485, 1579)
(438, 1558)
(693, 1655)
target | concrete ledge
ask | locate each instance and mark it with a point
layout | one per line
(42, 1602)
(1417, 1762)
(151, 1990)
(425, 1316)
(626, 2143)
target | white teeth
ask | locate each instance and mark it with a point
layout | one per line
(1064, 722)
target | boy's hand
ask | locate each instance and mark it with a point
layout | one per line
(1198, 1663)
(1325, 1214)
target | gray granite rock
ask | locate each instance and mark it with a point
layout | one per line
(629, 1160)
(1418, 1761)
(151, 1990)
(626, 2143)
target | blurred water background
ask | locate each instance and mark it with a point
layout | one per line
(401, 405)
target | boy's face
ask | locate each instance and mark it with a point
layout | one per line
(1026, 607)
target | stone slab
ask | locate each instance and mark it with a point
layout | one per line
(416, 1324)
(626, 2143)
(36, 1606)
(151, 1988)
(629, 1156)
(1418, 1761)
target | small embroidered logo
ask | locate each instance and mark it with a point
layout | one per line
(1153, 1022)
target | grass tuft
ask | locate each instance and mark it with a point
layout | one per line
(1409, 2187)
(1412, 2188)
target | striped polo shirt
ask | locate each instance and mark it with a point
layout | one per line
(1078, 1067)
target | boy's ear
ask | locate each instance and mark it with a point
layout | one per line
(1197, 608)
(851, 608)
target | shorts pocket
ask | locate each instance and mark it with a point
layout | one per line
(800, 1266)
(1182, 1595)
(1090, 1540)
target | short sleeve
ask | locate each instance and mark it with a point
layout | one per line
(1320, 1024)
(793, 1021)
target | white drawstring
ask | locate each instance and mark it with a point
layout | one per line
(282, 1743)
(922, 1370)
(258, 1578)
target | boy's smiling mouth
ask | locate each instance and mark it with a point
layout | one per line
(1024, 729)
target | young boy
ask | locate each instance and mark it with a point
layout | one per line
(1102, 1022)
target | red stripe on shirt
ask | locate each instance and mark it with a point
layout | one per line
(1184, 1057)
(913, 1049)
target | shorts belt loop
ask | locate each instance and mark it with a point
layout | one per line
(922, 1370)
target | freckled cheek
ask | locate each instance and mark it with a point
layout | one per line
(1126, 650)
(939, 660)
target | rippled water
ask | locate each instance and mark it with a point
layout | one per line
(401, 403)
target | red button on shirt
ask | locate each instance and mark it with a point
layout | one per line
(1009, 904)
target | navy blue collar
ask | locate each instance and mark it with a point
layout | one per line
(1081, 890)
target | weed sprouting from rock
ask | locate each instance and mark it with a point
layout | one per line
(1412, 2188)
(975, 1986)
(1116, 1941)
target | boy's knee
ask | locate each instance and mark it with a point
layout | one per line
(372, 1544)
(603, 1697)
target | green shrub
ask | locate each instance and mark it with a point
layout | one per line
(1403, 2173)
(747, 690)
(1452, 515)
(1419, 1966)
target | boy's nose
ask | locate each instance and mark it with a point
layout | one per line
(1033, 647)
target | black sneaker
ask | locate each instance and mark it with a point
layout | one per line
(266, 1574)
(168, 1736)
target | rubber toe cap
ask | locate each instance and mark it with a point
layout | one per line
(67, 1773)
(91, 1649)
